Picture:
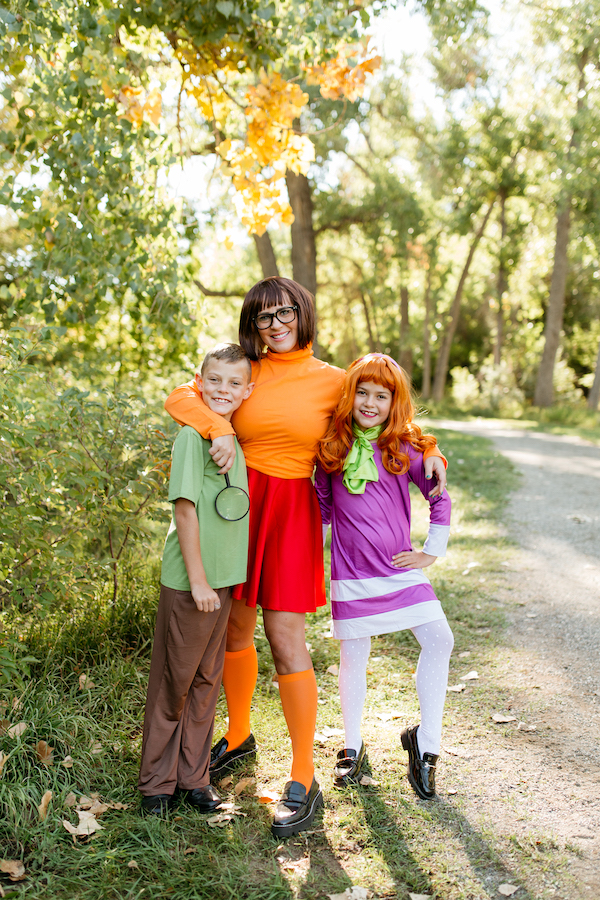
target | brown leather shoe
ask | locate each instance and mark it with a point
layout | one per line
(157, 805)
(421, 771)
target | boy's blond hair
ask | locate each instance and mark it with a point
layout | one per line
(231, 353)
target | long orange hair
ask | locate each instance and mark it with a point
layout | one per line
(399, 429)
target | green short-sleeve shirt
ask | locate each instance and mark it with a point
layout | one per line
(223, 544)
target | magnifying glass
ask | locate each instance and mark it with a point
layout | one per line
(232, 503)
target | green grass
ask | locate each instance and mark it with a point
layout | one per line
(381, 837)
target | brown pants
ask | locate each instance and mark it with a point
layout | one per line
(185, 676)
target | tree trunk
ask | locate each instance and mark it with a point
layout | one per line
(405, 354)
(370, 332)
(426, 383)
(594, 395)
(501, 282)
(443, 360)
(304, 248)
(266, 254)
(544, 389)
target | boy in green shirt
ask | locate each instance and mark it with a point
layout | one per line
(204, 556)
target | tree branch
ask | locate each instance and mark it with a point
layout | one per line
(208, 293)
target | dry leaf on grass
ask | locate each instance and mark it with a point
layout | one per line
(464, 653)
(499, 719)
(87, 824)
(190, 850)
(470, 676)
(352, 893)
(3, 758)
(225, 782)
(523, 727)
(43, 807)
(4, 726)
(220, 820)
(14, 868)
(333, 670)
(420, 896)
(267, 796)
(456, 688)
(366, 780)
(452, 791)
(388, 716)
(85, 683)
(456, 751)
(96, 747)
(242, 784)
(132, 864)
(17, 730)
(67, 762)
(507, 890)
(45, 753)
(70, 800)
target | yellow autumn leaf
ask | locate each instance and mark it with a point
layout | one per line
(43, 807)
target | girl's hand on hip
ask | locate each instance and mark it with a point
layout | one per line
(223, 452)
(434, 465)
(412, 559)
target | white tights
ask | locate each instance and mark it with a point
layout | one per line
(436, 642)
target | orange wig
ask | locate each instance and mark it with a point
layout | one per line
(399, 429)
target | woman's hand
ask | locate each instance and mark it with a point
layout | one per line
(412, 559)
(223, 452)
(434, 465)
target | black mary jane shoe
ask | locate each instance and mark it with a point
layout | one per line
(421, 770)
(348, 766)
(223, 760)
(204, 799)
(157, 805)
(296, 809)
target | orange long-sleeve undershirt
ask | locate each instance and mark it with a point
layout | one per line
(280, 424)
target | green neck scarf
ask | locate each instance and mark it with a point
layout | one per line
(359, 465)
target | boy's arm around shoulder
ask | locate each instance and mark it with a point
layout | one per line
(188, 534)
(324, 496)
(186, 405)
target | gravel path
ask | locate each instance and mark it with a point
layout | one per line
(550, 778)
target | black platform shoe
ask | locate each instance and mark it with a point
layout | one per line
(296, 809)
(421, 771)
(223, 760)
(348, 766)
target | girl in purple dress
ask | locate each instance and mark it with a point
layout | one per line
(369, 455)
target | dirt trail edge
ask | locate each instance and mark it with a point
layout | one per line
(550, 776)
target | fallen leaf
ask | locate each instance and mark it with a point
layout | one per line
(225, 782)
(45, 753)
(266, 796)
(189, 850)
(452, 791)
(87, 824)
(353, 893)
(96, 747)
(43, 807)
(119, 805)
(507, 890)
(531, 616)
(14, 868)
(220, 820)
(470, 676)
(464, 654)
(388, 716)
(420, 896)
(333, 670)
(499, 719)
(242, 784)
(298, 866)
(67, 762)
(85, 683)
(367, 780)
(132, 864)
(4, 726)
(332, 732)
(523, 727)
(70, 800)
(456, 688)
(17, 730)
(3, 758)
(456, 751)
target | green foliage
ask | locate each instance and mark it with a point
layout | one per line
(82, 476)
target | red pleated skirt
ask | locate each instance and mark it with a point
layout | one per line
(285, 554)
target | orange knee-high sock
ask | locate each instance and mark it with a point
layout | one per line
(239, 680)
(298, 693)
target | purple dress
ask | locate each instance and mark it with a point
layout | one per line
(368, 594)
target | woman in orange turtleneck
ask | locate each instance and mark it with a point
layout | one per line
(279, 428)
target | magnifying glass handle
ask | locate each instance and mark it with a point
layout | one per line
(227, 479)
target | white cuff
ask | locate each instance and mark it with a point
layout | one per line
(437, 540)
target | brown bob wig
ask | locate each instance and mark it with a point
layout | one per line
(276, 291)
(398, 431)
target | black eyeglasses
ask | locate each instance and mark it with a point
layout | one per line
(284, 315)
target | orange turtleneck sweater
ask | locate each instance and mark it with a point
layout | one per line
(279, 426)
